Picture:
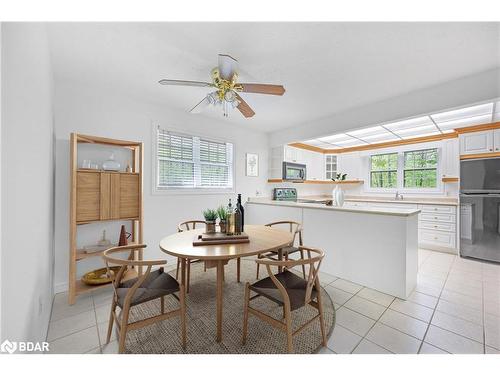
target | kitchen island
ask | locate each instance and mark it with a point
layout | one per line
(373, 247)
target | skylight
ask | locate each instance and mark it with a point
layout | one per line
(433, 124)
(462, 113)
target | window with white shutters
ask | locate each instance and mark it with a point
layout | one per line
(188, 161)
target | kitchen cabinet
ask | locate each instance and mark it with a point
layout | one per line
(496, 140)
(330, 166)
(437, 224)
(478, 142)
(450, 158)
(436, 238)
(313, 160)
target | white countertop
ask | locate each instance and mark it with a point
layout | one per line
(369, 210)
(412, 200)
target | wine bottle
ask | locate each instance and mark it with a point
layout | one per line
(230, 228)
(237, 219)
(238, 204)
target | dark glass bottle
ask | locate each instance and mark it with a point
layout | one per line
(240, 206)
(237, 219)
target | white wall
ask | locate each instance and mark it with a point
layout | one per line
(27, 182)
(97, 111)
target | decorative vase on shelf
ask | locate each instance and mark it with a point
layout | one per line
(124, 236)
(338, 195)
(111, 164)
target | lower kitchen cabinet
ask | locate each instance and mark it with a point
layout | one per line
(437, 223)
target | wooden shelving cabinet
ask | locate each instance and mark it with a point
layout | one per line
(97, 195)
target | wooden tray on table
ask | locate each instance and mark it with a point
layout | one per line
(220, 239)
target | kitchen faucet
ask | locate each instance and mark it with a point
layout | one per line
(399, 196)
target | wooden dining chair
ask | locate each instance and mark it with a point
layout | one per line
(190, 225)
(296, 229)
(182, 227)
(149, 286)
(290, 291)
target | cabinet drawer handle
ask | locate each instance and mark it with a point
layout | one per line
(435, 226)
(435, 238)
(435, 217)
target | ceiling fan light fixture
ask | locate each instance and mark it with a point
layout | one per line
(225, 81)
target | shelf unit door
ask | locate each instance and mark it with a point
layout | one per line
(129, 196)
(105, 196)
(88, 196)
(115, 195)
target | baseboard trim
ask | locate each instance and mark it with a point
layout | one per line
(60, 288)
(439, 249)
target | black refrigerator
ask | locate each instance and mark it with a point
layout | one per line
(480, 209)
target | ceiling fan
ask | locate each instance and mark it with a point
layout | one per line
(224, 80)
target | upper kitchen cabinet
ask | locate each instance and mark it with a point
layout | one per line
(330, 166)
(496, 140)
(450, 158)
(314, 161)
(294, 155)
(479, 142)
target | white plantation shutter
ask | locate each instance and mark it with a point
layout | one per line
(186, 161)
(214, 163)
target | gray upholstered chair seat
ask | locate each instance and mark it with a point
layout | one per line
(157, 284)
(295, 286)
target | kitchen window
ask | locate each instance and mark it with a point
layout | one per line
(420, 169)
(412, 170)
(330, 166)
(384, 170)
(185, 161)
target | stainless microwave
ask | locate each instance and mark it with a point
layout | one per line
(294, 171)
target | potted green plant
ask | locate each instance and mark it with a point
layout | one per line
(210, 217)
(222, 214)
(339, 177)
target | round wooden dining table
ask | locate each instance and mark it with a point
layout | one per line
(262, 239)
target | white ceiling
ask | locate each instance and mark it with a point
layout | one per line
(325, 67)
(432, 124)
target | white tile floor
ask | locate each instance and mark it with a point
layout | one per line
(455, 308)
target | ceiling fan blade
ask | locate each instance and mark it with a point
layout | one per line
(244, 108)
(178, 82)
(198, 108)
(260, 88)
(227, 67)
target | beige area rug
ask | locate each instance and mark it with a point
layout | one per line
(164, 337)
